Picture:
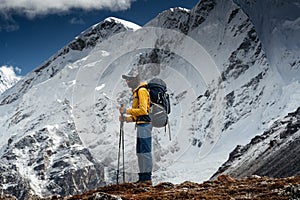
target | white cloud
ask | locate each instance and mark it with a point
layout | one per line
(8, 77)
(10, 70)
(18, 70)
(32, 8)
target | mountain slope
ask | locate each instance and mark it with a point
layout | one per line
(275, 153)
(238, 106)
(278, 29)
(41, 143)
(270, 151)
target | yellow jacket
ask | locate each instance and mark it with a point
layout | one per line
(139, 111)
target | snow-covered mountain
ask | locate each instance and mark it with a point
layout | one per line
(252, 91)
(60, 126)
(41, 150)
(278, 30)
(8, 78)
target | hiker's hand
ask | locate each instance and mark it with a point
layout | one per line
(122, 118)
(127, 119)
(122, 110)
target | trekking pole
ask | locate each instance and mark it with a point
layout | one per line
(169, 127)
(120, 140)
(122, 124)
(118, 170)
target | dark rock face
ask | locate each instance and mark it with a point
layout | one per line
(279, 152)
(12, 183)
(250, 46)
(59, 167)
(202, 10)
(74, 181)
(284, 162)
(95, 35)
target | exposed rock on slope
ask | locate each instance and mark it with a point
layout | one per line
(82, 44)
(275, 153)
(41, 151)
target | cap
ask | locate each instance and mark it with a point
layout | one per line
(131, 75)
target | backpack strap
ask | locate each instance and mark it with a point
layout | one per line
(137, 94)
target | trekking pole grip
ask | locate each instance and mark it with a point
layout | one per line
(122, 115)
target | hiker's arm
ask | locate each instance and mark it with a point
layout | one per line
(144, 102)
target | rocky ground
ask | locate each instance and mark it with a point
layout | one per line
(225, 187)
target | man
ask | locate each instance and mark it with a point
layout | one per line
(139, 113)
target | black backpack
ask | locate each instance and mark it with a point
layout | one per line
(160, 102)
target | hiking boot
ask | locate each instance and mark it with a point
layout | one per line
(146, 183)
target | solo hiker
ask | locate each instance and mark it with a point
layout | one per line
(139, 113)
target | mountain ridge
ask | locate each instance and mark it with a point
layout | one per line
(245, 160)
(41, 143)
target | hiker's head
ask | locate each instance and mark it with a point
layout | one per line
(132, 80)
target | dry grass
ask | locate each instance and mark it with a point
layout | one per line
(254, 188)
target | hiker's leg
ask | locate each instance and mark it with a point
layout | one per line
(143, 150)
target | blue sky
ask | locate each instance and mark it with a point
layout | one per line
(30, 33)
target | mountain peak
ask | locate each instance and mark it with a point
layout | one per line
(127, 24)
(180, 9)
(101, 31)
(174, 18)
